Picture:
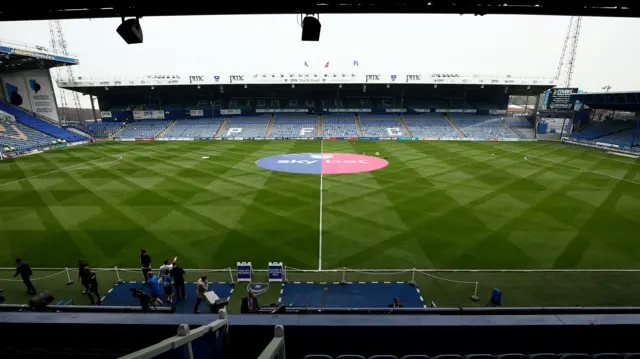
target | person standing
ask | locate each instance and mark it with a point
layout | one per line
(25, 272)
(165, 268)
(249, 304)
(145, 263)
(83, 278)
(92, 283)
(177, 273)
(167, 287)
(154, 287)
(201, 289)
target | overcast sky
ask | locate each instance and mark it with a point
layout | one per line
(608, 50)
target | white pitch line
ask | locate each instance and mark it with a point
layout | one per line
(320, 226)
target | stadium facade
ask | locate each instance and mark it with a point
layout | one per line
(330, 105)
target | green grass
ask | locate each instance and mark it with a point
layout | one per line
(446, 205)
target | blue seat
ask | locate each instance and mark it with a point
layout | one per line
(574, 356)
(607, 356)
(479, 356)
(383, 357)
(632, 356)
(511, 356)
(317, 356)
(415, 356)
(448, 356)
(543, 356)
(350, 356)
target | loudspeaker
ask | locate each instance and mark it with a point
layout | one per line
(130, 31)
(310, 29)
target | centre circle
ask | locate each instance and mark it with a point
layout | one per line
(322, 163)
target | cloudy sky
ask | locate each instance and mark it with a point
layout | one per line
(517, 45)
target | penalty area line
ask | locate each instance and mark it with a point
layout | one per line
(320, 225)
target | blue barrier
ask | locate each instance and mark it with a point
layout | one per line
(352, 295)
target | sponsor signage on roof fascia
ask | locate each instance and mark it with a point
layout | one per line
(311, 78)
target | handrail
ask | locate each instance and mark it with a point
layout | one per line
(184, 337)
(275, 348)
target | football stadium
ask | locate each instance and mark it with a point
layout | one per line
(462, 207)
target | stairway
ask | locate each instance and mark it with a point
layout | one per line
(222, 128)
(272, 120)
(406, 127)
(358, 126)
(446, 115)
(79, 132)
(319, 126)
(115, 134)
(166, 129)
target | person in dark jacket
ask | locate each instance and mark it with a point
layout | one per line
(145, 263)
(23, 269)
(249, 304)
(83, 278)
(177, 273)
(396, 303)
(92, 284)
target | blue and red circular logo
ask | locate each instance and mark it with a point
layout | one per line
(322, 163)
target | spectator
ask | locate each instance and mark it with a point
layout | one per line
(25, 272)
(396, 303)
(201, 289)
(249, 304)
(154, 287)
(165, 268)
(167, 288)
(82, 275)
(177, 273)
(145, 263)
(92, 284)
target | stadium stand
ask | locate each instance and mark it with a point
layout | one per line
(103, 129)
(143, 129)
(248, 126)
(201, 128)
(483, 356)
(600, 129)
(623, 138)
(482, 126)
(17, 137)
(339, 125)
(430, 125)
(521, 126)
(381, 125)
(40, 125)
(294, 125)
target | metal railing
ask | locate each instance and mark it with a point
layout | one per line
(35, 48)
(182, 340)
(275, 348)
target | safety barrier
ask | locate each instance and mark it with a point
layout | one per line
(210, 337)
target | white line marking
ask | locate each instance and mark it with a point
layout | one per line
(320, 226)
(70, 168)
(576, 168)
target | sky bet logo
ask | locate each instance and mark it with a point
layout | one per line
(322, 163)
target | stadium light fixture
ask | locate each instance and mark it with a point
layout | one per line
(130, 31)
(311, 28)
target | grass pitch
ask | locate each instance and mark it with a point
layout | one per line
(445, 205)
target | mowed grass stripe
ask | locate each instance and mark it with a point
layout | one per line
(449, 204)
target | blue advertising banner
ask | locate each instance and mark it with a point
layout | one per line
(276, 272)
(368, 138)
(244, 271)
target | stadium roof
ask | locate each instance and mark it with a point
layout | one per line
(622, 101)
(21, 57)
(71, 9)
(371, 78)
